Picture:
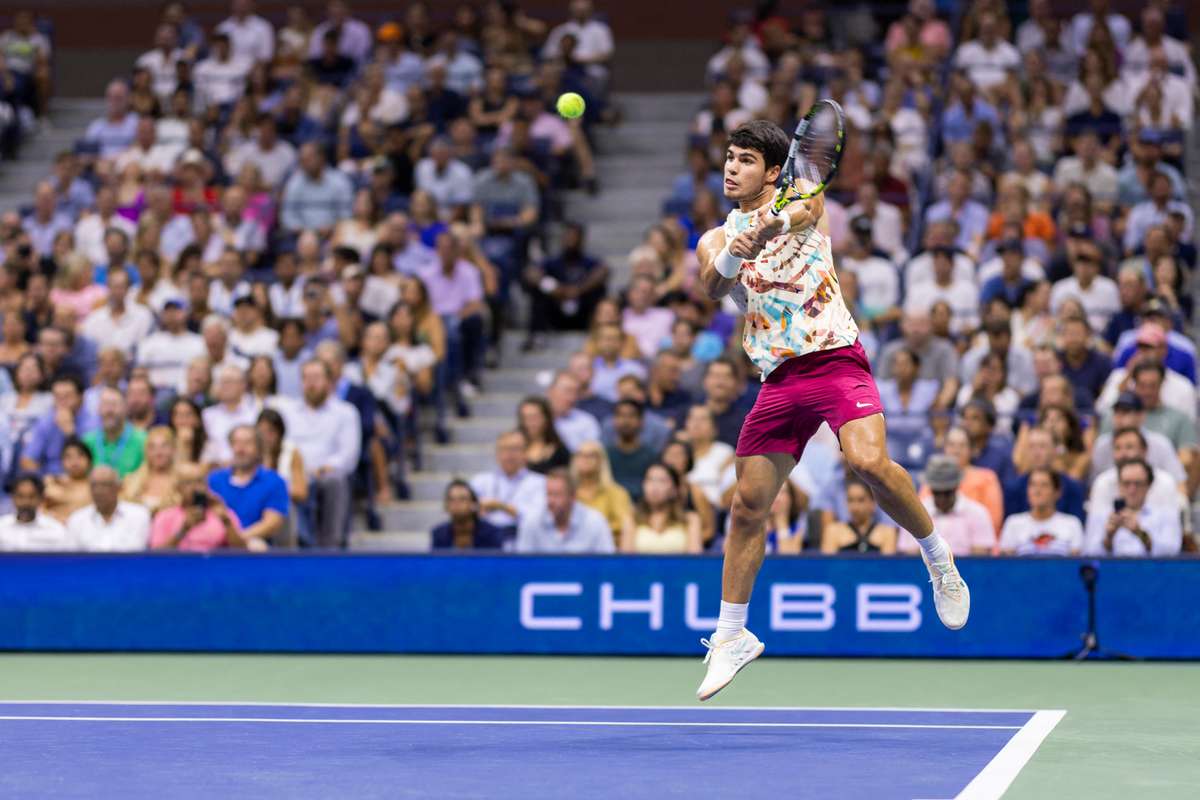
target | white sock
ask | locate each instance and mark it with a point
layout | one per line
(935, 547)
(732, 620)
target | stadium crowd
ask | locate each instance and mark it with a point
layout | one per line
(225, 310)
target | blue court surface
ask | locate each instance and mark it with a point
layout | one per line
(160, 750)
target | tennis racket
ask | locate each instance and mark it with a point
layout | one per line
(814, 155)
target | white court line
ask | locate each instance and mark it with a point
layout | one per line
(581, 723)
(706, 709)
(998, 775)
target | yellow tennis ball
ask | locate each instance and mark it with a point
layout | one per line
(570, 105)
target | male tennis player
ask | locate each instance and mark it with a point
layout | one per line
(800, 334)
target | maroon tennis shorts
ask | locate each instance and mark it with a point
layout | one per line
(833, 386)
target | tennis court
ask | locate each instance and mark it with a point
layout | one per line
(390, 726)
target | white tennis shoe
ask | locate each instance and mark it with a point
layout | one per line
(725, 659)
(951, 597)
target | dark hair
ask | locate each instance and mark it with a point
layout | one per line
(292, 322)
(543, 406)
(627, 403)
(37, 359)
(1074, 442)
(764, 137)
(200, 438)
(272, 386)
(1055, 479)
(675, 511)
(912, 354)
(27, 477)
(687, 450)
(1139, 462)
(71, 378)
(75, 443)
(1149, 366)
(984, 407)
(563, 474)
(719, 360)
(459, 483)
(1130, 431)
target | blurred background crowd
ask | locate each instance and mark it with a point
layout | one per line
(287, 258)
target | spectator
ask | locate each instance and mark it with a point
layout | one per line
(977, 483)
(67, 493)
(116, 443)
(879, 282)
(937, 359)
(1072, 454)
(447, 179)
(220, 79)
(629, 455)
(609, 366)
(166, 353)
(1036, 450)
(42, 452)
(989, 61)
(315, 197)
(1180, 354)
(564, 525)
(1082, 364)
(153, 483)
(579, 366)
(1131, 527)
(1016, 274)
(233, 408)
(907, 402)
(721, 396)
(593, 48)
(990, 383)
(121, 322)
(1130, 444)
(648, 324)
(250, 337)
(257, 495)
(351, 36)
(573, 425)
(109, 524)
(456, 291)
(273, 157)
(1017, 360)
(1042, 530)
(199, 522)
(504, 211)
(511, 492)
(656, 429)
(1097, 293)
(861, 532)
(962, 522)
(659, 523)
(28, 528)
(596, 488)
(328, 434)
(711, 455)
(1129, 412)
(114, 132)
(1169, 389)
(467, 528)
(1154, 211)
(185, 421)
(1089, 169)
(250, 36)
(46, 221)
(544, 450)
(664, 393)
(281, 457)
(26, 402)
(960, 294)
(1148, 384)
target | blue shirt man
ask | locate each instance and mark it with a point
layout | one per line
(42, 451)
(257, 495)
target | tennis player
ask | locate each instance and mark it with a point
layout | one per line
(800, 334)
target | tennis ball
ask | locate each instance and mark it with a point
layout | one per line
(570, 105)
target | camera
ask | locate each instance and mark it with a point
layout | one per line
(200, 498)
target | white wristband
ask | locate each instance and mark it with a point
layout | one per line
(787, 220)
(727, 265)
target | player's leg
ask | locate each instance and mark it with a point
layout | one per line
(733, 646)
(864, 446)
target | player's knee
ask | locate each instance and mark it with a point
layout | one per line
(871, 464)
(749, 506)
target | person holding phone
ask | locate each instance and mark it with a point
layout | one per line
(197, 520)
(1131, 526)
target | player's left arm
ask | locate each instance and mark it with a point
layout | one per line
(797, 216)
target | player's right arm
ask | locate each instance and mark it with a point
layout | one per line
(718, 259)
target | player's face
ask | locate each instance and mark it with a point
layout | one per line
(745, 173)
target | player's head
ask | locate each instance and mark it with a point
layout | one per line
(754, 157)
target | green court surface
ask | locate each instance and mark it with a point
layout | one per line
(1130, 731)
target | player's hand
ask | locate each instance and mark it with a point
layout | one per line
(746, 245)
(768, 225)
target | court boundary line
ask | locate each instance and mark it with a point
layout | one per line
(994, 779)
(706, 709)
(502, 722)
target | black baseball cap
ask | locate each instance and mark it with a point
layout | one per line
(861, 224)
(1128, 401)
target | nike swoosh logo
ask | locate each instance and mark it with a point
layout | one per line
(863, 405)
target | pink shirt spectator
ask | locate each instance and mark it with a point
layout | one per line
(649, 328)
(449, 294)
(934, 35)
(208, 535)
(82, 302)
(966, 528)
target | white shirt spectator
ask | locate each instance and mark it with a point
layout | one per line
(274, 164)
(111, 136)
(222, 82)
(464, 72)
(1019, 363)
(43, 535)
(1146, 215)
(219, 420)
(887, 228)
(1163, 492)
(165, 357)
(161, 67)
(753, 97)
(594, 40)
(1177, 392)
(287, 301)
(587, 532)
(1080, 29)
(606, 376)
(962, 297)
(757, 65)
(127, 530)
(987, 67)
(1100, 179)
(1162, 525)
(328, 436)
(89, 235)
(221, 297)
(1031, 270)
(125, 331)
(525, 491)
(451, 187)
(354, 41)
(251, 38)
(1136, 60)
(379, 296)
(576, 427)
(919, 269)
(707, 471)
(878, 283)
(1160, 454)
(649, 328)
(158, 158)
(262, 341)
(1100, 300)
(415, 258)
(1060, 535)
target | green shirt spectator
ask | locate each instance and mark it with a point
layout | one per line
(116, 444)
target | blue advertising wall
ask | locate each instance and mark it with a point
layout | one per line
(1023, 608)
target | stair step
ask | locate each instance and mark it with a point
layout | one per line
(431, 486)
(483, 430)
(497, 404)
(624, 206)
(458, 459)
(405, 541)
(515, 380)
